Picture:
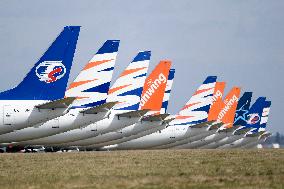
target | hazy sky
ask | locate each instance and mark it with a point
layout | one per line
(242, 42)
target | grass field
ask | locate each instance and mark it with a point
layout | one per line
(145, 169)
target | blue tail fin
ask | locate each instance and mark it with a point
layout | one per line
(243, 109)
(168, 91)
(47, 80)
(265, 113)
(260, 127)
(255, 112)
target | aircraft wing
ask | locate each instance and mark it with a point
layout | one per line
(159, 117)
(61, 103)
(101, 108)
(137, 113)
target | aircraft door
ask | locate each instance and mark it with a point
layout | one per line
(8, 117)
(55, 123)
(173, 133)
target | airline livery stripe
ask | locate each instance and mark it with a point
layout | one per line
(76, 84)
(201, 91)
(183, 117)
(189, 105)
(130, 71)
(112, 90)
(81, 97)
(96, 63)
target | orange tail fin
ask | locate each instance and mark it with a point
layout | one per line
(154, 87)
(217, 102)
(227, 113)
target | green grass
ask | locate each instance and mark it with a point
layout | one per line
(145, 169)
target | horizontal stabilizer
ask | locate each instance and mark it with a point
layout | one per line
(159, 117)
(168, 120)
(200, 125)
(242, 130)
(101, 108)
(225, 130)
(256, 134)
(215, 126)
(61, 103)
(137, 113)
(265, 135)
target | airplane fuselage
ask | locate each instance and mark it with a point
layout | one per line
(19, 114)
(72, 120)
(117, 134)
(108, 124)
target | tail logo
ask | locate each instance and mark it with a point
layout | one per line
(228, 105)
(153, 86)
(253, 119)
(216, 96)
(50, 71)
(241, 114)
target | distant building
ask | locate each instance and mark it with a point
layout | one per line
(275, 145)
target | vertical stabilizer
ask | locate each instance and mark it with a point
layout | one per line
(154, 87)
(197, 108)
(127, 89)
(227, 113)
(217, 101)
(168, 91)
(243, 109)
(47, 80)
(92, 84)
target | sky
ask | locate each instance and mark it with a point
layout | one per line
(241, 42)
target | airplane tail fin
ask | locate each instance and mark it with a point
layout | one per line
(265, 113)
(92, 84)
(168, 92)
(255, 112)
(253, 116)
(227, 113)
(257, 120)
(154, 87)
(196, 109)
(128, 87)
(242, 109)
(47, 80)
(217, 101)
